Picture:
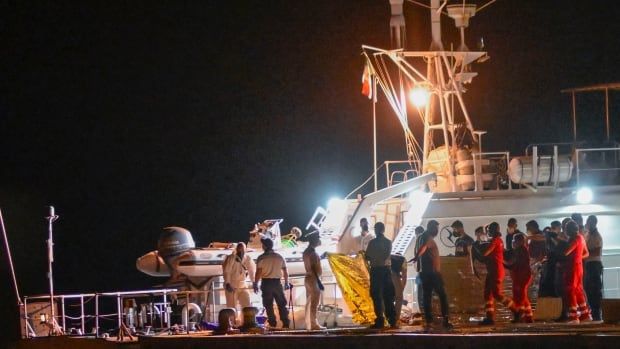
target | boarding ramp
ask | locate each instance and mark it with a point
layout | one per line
(364, 208)
(419, 201)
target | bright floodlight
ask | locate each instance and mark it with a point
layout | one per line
(584, 196)
(419, 96)
(333, 201)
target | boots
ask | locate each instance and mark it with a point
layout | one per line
(516, 317)
(487, 321)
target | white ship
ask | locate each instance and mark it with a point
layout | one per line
(447, 175)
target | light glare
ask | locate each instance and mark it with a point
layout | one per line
(584, 196)
(419, 96)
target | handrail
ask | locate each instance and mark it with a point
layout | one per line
(586, 150)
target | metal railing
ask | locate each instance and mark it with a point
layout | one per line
(213, 302)
(413, 170)
(580, 170)
(84, 315)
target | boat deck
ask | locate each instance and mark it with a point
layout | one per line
(505, 336)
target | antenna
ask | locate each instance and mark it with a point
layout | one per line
(461, 13)
(397, 24)
(51, 218)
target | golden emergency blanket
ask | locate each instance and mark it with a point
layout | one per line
(354, 281)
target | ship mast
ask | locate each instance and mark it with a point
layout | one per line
(436, 91)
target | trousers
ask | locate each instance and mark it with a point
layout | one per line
(520, 286)
(241, 296)
(433, 281)
(593, 285)
(382, 294)
(313, 296)
(575, 295)
(493, 292)
(271, 289)
(398, 295)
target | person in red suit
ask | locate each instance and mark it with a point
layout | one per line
(494, 260)
(519, 264)
(578, 310)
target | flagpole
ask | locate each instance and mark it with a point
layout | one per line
(374, 126)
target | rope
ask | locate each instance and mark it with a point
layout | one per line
(8, 254)
(365, 182)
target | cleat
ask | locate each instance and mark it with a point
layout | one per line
(573, 322)
(585, 318)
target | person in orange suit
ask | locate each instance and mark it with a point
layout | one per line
(578, 310)
(521, 275)
(494, 260)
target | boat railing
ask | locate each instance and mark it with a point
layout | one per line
(562, 147)
(212, 298)
(597, 165)
(161, 315)
(397, 171)
(87, 312)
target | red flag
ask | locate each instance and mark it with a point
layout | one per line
(366, 84)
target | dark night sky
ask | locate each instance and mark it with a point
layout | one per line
(213, 115)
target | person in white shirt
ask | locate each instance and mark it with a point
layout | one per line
(236, 268)
(271, 267)
(365, 235)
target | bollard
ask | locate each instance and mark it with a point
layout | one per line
(249, 321)
(226, 319)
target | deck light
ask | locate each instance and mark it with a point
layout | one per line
(584, 195)
(419, 96)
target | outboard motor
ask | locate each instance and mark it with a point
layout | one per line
(173, 241)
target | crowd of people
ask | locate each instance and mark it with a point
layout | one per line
(565, 257)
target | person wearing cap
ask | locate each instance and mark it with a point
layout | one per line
(312, 281)
(236, 268)
(270, 268)
(427, 257)
(381, 286)
(463, 243)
